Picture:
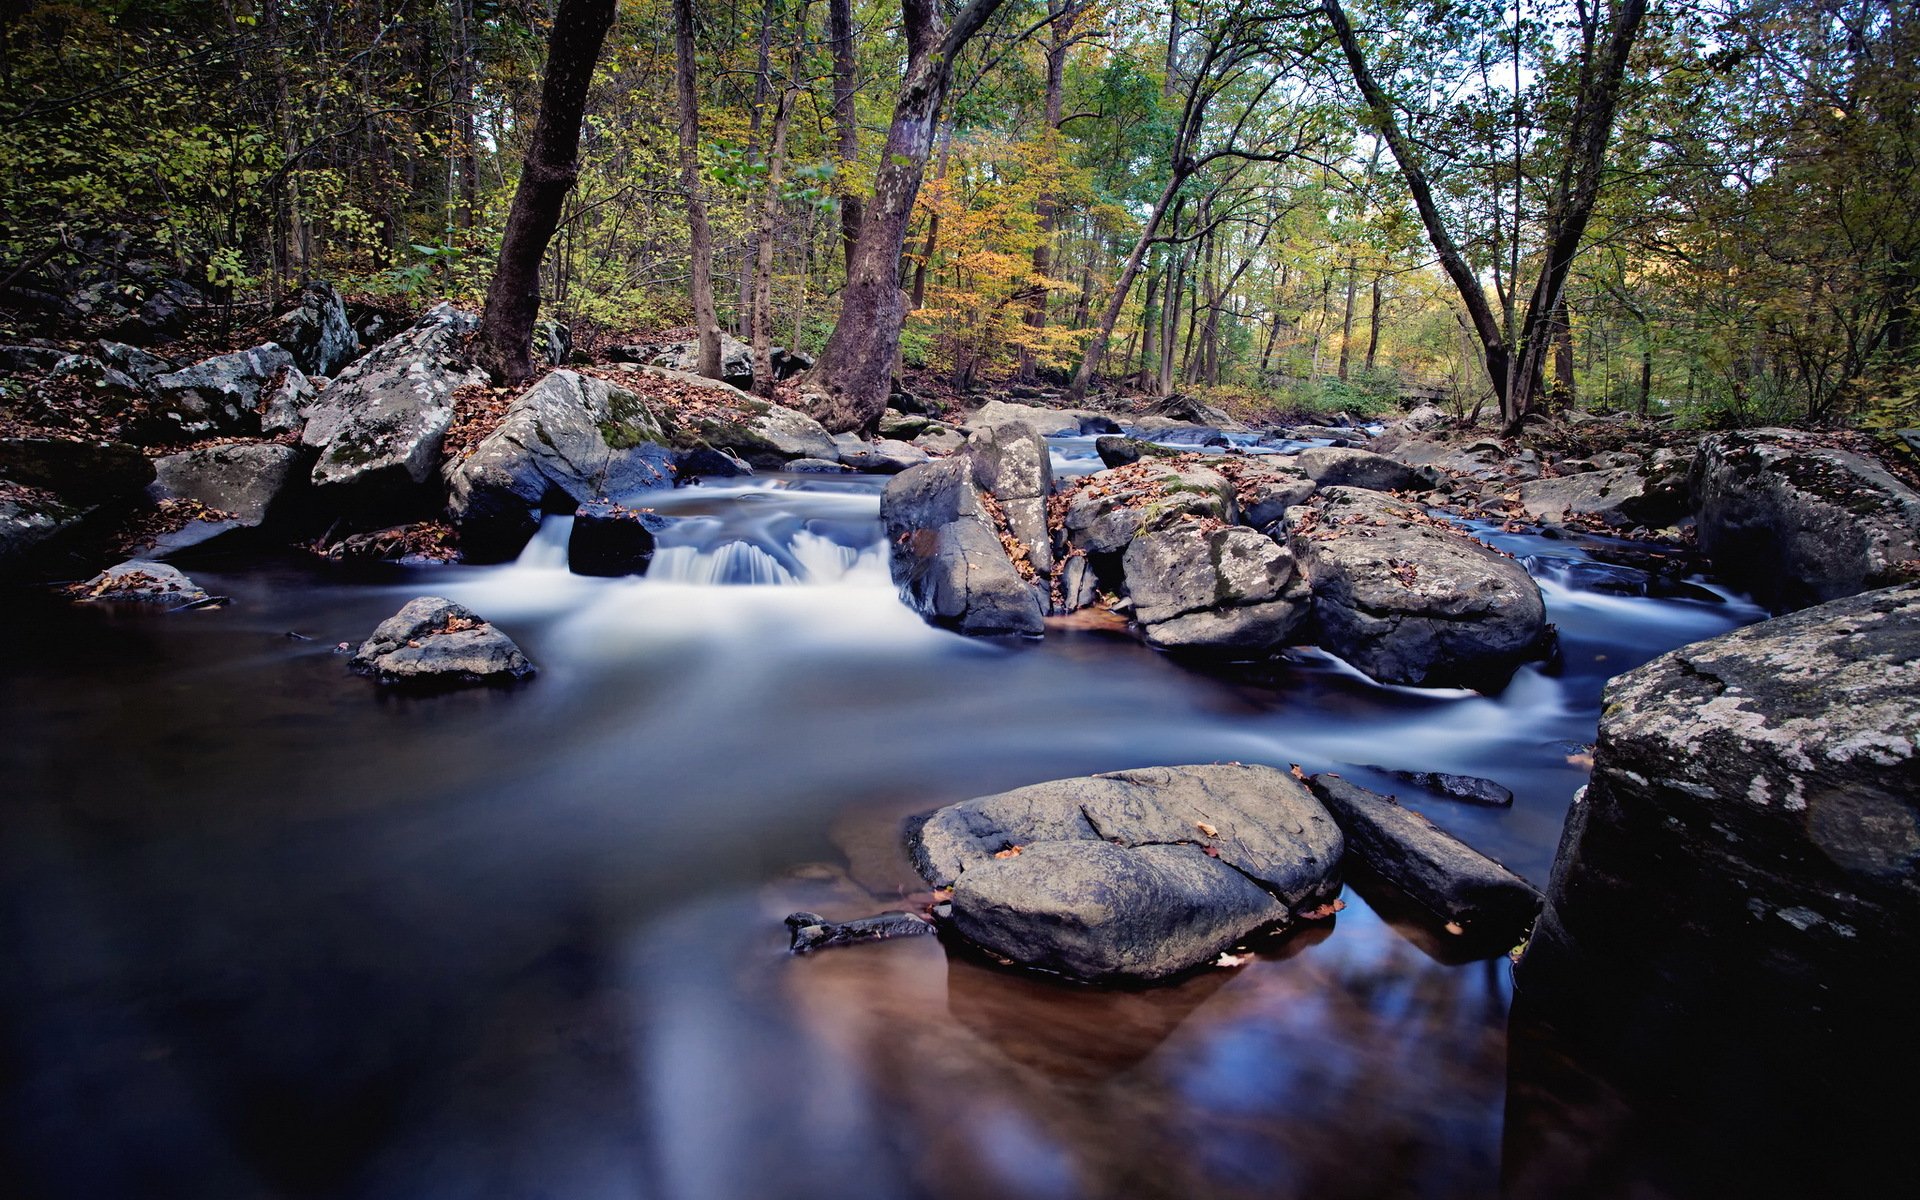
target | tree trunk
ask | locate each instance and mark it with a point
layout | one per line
(1346, 325)
(1373, 325)
(700, 236)
(855, 370)
(1097, 347)
(1149, 319)
(505, 344)
(932, 240)
(845, 85)
(763, 269)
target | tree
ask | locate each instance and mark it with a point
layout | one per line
(547, 175)
(855, 371)
(1516, 360)
(700, 236)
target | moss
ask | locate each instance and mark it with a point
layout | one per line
(629, 422)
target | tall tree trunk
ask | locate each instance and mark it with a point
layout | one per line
(552, 164)
(1097, 346)
(700, 236)
(1346, 324)
(466, 163)
(756, 116)
(1373, 325)
(763, 269)
(932, 241)
(845, 85)
(1149, 320)
(856, 368)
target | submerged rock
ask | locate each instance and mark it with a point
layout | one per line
(947, 558)
(1408, 601)
(1135, 874)
(435, 641)
(1456, 883)
(808, 931)
(1799, 522)
(1746, 859)
(610, 539)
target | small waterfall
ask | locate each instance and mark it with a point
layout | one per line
(548, 549)
(728, 563)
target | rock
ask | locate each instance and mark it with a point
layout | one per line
(552, 342)
(1481, 458)
(1120, 451)
(1471, 788)
(1079, 584)
(808, 932)
(885, 457)
(1099, 425)
(131, 361)
(947, 558)
(435, 641)
(816, 466)
(1193, 410)
(1330, 466)
(788, 363)
(707, 463)
(1798, 522)
(1421, 419)
(904, 426)
(1108, 508)
(31, 522)
(765, 434)
(940, 440)
(140, 581)
(219, 395)
(97, 377)
(162, 316)
(629, 352)
(256, 482)
(286, 405)
(1743, 872)
(567, 439)
(610, 539)
(1617, 496)
(26, 359)
(1201, 586)
(316, 331)
(1266, 486)
(1044, 421)
(1407, 601)
(380, 425)
(1012, 463)
(1444, 875)
(1109, 877)
(736, 360)
(1179, 433)
(83, 472)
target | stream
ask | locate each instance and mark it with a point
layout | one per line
(274, 932)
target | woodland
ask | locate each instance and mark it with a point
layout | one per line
(1702, 210)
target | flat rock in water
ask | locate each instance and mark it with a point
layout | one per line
(1135, 874)
(808, 931)
(1471, 788)
(1044, 421)
(1440, 872)
(611, 539)
(435, 641)
(142, 581)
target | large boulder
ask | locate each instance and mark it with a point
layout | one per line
(316, 331)
(1331, 466)
(433, 641)
(717, 415)
(1265, 486)
(1742, 875)
(254, 482)
(948, 559)
(1201, 585)
(1620, 496)
(379, 427)
(131, 361)
(1108, 508)
(1044, 421)
(85, 472)
(1011, 461)
(1799, 522)
(568, 439)
(610, 539)
(887, 456)
(1409, 600)
(219, 395)
(1477, 896)
(1485, 459)
(1135, 874)
(736, 360)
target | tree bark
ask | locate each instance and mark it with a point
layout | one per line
(763, 269)
(845, 85)
(700, 235)
(505, 342)
(1346, 325)
(1373, 325)
(855, 370)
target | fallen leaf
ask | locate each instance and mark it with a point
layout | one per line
(1213, 851)
(1232, 960)
(1207, 829)
(1453, 927)
(1324, 911)
(1009, 852)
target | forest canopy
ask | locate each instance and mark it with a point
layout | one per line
(1203, 196)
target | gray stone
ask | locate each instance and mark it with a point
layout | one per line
(765, 434)
(816, 466)
(140, 581)
(569, 438)
(1617, 495)
(1113, 877)
(610, 539)
(435, 641)
(133, 362)
(316, 331)
(84, 472)
(905, 426)
(380, 425)
(736, 360)
(1450, 879)
(1747, 855)
(552, 341)
(24, 359)
(947, 558)
(885, 457)
(29, 524)
(1196, 585)
(1011, 462)
(1266, 486)
(286, 405)
(1108, 508)
(219, 395)
(254, 482)
(97, 376)
(1330, 466)
(940, 440)
(1407, 601)
(1043, 421)
(1798, 522)
(809, 931)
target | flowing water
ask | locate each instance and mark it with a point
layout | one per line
(273, 932)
